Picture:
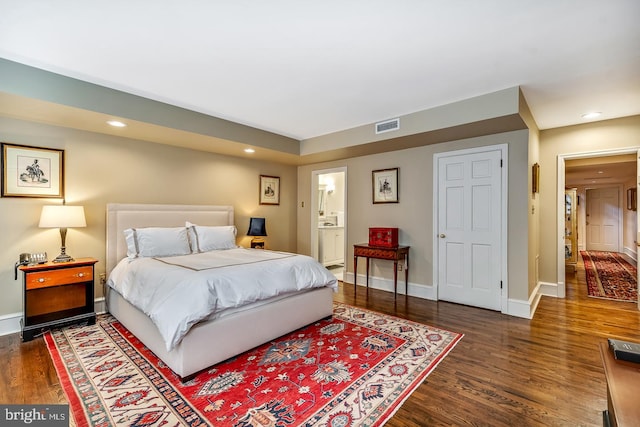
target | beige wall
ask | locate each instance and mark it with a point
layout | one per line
(534, 199)
(593, 137)
(414, 214)
(100, 169)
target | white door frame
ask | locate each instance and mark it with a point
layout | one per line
(314, 210)
(503, 148)
(562, 286)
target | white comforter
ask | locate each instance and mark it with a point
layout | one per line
(177, 292)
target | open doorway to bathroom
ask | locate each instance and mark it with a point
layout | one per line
(328, 214)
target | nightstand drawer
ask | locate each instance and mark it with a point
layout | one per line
(65, 276)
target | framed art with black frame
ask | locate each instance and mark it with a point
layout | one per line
(269, 190)
(385, 185)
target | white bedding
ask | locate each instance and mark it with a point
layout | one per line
(177, 292)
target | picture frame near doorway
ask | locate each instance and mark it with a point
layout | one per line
(631, 199)
(385, 185)
(535, 178)
(269, 190)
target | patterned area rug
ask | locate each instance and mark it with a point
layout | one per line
(354, 369)
(610, 276)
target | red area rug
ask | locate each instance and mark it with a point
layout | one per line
(354, 369)
(610, 276)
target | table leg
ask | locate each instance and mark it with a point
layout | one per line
(355, 274)
(406, 275)
(367, 258)
(395, 278)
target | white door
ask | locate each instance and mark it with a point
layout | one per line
(603, 208)
(469, 229)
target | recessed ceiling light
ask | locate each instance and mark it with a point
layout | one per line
(600, 171)
(116, 124)
(249, 150)
(591, 115)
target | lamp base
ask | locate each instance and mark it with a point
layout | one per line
(257, 243)
(62, 258)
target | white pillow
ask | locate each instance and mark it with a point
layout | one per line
(157, 241)
(210, 238)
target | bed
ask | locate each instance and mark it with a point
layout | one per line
(215, 338)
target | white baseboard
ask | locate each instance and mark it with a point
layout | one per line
(384, 284)
(631, 253)
(517, 308)
(546, 288)
(521, 308)
(10, 323)
(100, 305)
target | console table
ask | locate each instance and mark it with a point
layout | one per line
(395, 254)
(623, 387)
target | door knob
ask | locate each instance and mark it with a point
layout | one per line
(442, 236)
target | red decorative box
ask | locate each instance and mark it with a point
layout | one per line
(383, 236)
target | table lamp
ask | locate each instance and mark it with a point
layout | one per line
(62, 217)
(257, 229)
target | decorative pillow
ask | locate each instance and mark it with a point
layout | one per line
(210, 238)
(157, 241)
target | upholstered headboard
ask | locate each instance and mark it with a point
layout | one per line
(123, 216)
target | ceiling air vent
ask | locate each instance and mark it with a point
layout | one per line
(387, 126)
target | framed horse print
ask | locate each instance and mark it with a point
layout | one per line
(385, 186)
(32, 171)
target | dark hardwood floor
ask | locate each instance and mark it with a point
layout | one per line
(506, 371)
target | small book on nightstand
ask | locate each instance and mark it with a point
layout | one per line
(625, 350)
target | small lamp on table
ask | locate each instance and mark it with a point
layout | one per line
(62, 217)
(257, 229)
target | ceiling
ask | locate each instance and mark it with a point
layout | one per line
(599, 171)
(305, 69)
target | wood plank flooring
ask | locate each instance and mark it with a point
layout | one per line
(506, 371)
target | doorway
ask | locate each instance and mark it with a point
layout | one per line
(602, 180)
(328, 218)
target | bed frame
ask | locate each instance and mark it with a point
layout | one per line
(213, 341)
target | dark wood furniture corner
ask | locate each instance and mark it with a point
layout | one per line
(395, 254)
(57, 294)
(623, 389)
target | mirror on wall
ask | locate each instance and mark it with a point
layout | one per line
(321, 200)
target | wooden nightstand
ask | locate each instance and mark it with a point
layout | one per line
(57, 294)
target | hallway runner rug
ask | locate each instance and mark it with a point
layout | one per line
(354, 369)
(610, 276)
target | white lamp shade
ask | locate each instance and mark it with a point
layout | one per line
(62, 216)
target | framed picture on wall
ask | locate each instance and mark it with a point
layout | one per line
(269, 190)
(631, 199)
(535, 178)
(385, 185)
(32, 171)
